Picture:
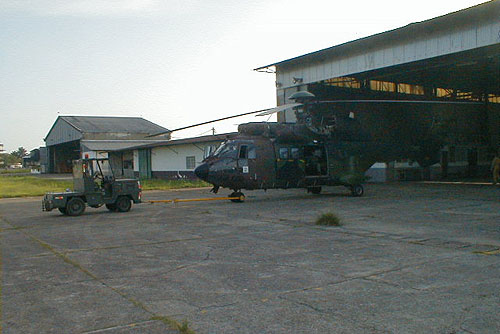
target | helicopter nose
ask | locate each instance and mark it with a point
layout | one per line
(202, 171)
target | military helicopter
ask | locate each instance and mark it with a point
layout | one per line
(324, 147)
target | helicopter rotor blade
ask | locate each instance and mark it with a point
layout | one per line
(270, 111)
(208, 122)
(400, 101)
(293, 105)
(279, 108)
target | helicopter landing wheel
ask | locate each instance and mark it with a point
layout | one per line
(240, 195)
(357, 190)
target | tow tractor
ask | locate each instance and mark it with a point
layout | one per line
(94, 184)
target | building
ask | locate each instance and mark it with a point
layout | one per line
(455, 57)
(173, 159)
(74, 137)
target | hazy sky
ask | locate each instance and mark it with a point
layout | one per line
(172, 62)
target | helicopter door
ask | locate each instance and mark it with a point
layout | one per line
(315, 160)
(289, 166)
(245, 153)
(247, 164)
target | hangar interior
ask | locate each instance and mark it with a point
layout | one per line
(455, 57)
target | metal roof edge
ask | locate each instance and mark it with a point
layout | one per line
(54, 124)
(180, 141)
(392, 31)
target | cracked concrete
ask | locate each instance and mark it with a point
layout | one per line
(409, 258)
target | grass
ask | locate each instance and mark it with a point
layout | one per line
(183, 327)
(157, 184)
(328, 219)
(15, 171)
(23, 186)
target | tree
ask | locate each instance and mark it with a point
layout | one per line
(19, 153)
(7, 159)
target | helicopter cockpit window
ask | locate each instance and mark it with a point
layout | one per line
(251, 152)
(283, 153)
(208, 151)
(227, 149)
(294, 153)
(243, 152)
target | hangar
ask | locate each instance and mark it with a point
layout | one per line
(455, 57)
(72, 137)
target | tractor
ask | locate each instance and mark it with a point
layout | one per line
(94, 184)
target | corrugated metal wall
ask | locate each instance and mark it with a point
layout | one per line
(399, 52)
(62, 132)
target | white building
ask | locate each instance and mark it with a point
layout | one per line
(172, 159)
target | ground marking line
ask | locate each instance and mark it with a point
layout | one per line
(103, 330)
(175, 325)
(70, 251)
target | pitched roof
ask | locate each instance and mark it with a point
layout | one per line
(486, 11)
(106, 124)
(192, 140)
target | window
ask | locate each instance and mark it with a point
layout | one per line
(283, 153)
(243, 152)
(209, 150)
(227, 150)
(190, 162)
(251, 152)
(295, 153)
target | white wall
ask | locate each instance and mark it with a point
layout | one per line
(95, 154)
(173, 158)
(136, 161)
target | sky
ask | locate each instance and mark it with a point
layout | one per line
(172, 62)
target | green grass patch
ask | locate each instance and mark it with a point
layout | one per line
(328, 219)
(183, 327)
(158, 184)
(22, 186)
(15, 171)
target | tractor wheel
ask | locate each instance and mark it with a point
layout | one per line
(123, 204)
(357, 190)
(111, 207)
(62, 210)
(240, 196)
(75, 206)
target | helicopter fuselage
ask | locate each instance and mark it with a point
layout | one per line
(291, 160)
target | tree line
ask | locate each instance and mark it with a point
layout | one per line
(7, 159)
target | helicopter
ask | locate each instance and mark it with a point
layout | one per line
(324, 147)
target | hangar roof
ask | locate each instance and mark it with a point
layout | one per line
(488, 11)
(105, 124)
(71, 128)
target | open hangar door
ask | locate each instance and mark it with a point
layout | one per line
(61, 156)
(470, 132)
